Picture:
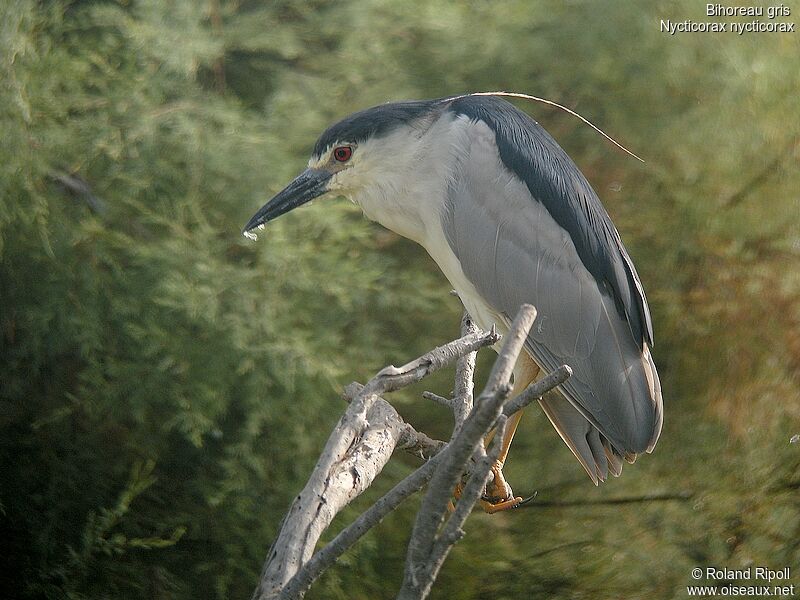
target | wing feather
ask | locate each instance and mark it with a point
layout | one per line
(514, 251)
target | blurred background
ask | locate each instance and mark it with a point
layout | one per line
(166, 384)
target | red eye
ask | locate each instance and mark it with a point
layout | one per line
(342, 153)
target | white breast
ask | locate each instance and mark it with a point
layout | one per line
(484, 316)
(409, 195)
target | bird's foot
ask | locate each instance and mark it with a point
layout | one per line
(498, 495)
(490, 507)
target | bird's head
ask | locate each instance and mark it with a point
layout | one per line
(373, 152)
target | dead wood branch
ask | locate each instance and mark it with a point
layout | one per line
(428, 548)
(412, 441)
(364, 439)
(355, 453)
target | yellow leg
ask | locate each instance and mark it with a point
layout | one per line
(498, 495)
(457, 495)
(511, 429)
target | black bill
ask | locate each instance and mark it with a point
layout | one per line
(306, 186)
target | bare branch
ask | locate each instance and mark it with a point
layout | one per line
(669, 496)
(465, 374)
(346, 468)
(420, 571)
(364, 439)
(481, 473)
(354, 454)
(328, 555)
(412, 441)
(393, 378)
(537, 390)
(417, 443)
(446, 402)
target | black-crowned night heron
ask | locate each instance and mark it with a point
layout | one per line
(509, 219)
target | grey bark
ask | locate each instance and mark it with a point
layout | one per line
(362, 442)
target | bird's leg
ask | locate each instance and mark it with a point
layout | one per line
(456, 496)
(499, 495)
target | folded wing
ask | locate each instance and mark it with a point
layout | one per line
(515, 246)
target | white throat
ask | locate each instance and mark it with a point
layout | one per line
(408, 194)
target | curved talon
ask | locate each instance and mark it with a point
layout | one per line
(527, 500)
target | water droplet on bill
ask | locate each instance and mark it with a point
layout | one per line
(250, 235)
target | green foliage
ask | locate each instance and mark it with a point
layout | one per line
(166, 385)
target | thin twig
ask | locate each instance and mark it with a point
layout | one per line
(476, 484)
(464, 379)
(537, 390)
(762, 176)
(441, 400)
(557, 548)
(419, 444)
(667, 497)
(393, 378)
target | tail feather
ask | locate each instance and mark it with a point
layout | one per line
(580, 436)
(651, 374)
(594, 451)
(613, 456)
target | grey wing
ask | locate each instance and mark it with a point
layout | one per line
(514, 252)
